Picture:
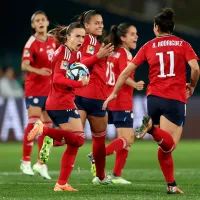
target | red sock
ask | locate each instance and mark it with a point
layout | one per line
(99, 153)
(75, 139)
(116, 145)
(120, 161)
(41, 139)
(58, 144)
(67, 164)
(166, 165)
(27, 145)
(163, 138)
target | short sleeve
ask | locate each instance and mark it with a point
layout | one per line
(28, 51)
(88, 48)
(139, 57)
(189, 52)
(122, 61)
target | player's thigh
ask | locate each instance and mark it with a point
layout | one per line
(98, 124)
(73, 125)
(174, 130)
(126, 133)
(173, 118)
(66, 119)
(34, 111)
(45, 117)
(83, 116)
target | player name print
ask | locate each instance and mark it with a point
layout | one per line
(166, 43)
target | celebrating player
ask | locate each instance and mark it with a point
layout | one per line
(60, 102)
(89, 100)
(36, 58)
(167, 56)
(123, 37)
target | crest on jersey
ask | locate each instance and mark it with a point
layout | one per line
(64, 65)
(90, 49)
(26, 53)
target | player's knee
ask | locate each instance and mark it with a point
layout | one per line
(129, 139)
(80, 141)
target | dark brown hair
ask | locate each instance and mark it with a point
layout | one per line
(60, 32)
(164, 20)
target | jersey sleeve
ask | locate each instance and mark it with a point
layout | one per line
(28, 51)
(189, 52)
(88, 58)
(139, 57)
(60, 78)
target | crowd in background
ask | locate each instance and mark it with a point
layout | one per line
(10, 84)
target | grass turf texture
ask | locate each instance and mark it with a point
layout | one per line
(142, 169)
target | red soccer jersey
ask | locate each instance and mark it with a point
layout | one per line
(167, 57)
(40, 54)
(116, 63)
(96, 89)
(62, 92)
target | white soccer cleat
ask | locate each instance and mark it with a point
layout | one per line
(120, 180)
(26, 168)
(105, 181)
(42, 170)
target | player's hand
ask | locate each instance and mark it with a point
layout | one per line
(110, 98)
(189, 90)
(105, 50)
(139, 85)
(85, 80)
(44, 71)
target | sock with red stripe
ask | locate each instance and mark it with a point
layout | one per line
(115, 146)
(28, 145)
(67, 164)
(163, 138)
(99, 153)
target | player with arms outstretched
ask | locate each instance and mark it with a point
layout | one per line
(167, 92)
(36, 58)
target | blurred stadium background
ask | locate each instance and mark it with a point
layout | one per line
(15, 30)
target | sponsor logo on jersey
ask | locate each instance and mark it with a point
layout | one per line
(90, 49)
(26, 53)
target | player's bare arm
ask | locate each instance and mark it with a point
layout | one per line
(137, 85)
(194, 77)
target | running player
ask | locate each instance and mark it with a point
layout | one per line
(167, 56)
(36, 58)
(124, 38)
(60, 102)
(89, 100)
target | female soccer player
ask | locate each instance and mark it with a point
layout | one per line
(124, 38)
(89, 100)
(60, 102)
(36, 58)
(167, 56)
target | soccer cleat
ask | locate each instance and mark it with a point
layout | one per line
(105, 181)
(65, 187)
(26, 168)
(143, 129)
(36, 131)
(42, 170)
(93, 167)
(120, 180)
(174, 190)
(46, 149)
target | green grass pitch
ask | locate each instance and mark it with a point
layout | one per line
(141, 169)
